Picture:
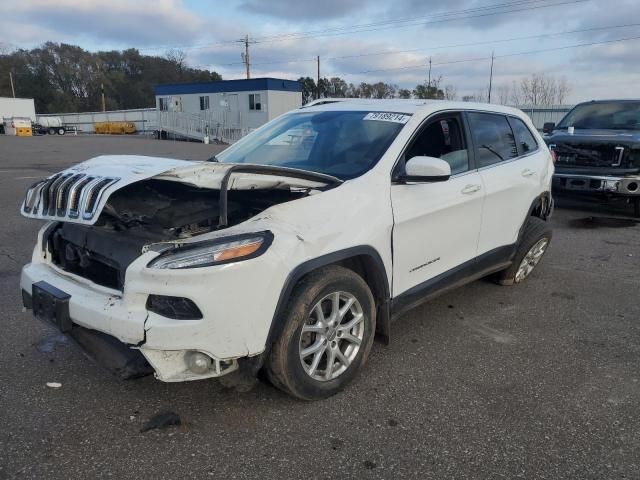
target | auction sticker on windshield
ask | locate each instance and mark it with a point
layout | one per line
(387, 117)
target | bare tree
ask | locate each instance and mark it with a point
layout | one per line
(450, 92)
(504, 94)
(179, 58)
(564, 89)
(540, 89)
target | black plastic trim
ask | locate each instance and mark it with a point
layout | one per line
(485, 264)
(175, 308)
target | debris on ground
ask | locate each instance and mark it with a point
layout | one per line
(54, 384)
(161, 420)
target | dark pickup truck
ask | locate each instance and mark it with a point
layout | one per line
(597, 149)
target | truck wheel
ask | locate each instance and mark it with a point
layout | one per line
(532, 247)
(61, 131)
(51, 131)
(329, 325)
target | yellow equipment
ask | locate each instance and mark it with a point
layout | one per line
(115, 127)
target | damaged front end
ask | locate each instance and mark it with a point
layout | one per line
(127, 239)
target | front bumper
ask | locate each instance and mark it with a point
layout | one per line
(236, 300)
(609, 184)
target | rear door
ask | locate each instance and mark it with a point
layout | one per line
(511, 165)
(436, 225)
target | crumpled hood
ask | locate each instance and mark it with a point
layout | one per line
(79, 193)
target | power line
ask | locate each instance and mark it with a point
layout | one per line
(362, 28)
(415, 22)
(487, 42)
(530, 52)
(438, 47)
(434, 16)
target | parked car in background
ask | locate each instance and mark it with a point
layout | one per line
(597, 149)
(290, 249)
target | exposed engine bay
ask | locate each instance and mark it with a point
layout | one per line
(147, 212)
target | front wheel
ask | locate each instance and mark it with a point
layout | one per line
(533, 245)
(328, 331)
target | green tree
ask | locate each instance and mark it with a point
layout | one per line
(67, 78)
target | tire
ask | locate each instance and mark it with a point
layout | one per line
(61, 131)
(294, 373)
(535, 241)
(51, 131)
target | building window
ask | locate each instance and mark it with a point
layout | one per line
(204, 103)
(163, 103)
(254, 101)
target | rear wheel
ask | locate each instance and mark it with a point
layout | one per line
(327, 335)
(51, 131)
(531, 249)
(61, 131)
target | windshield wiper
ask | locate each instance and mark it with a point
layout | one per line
(493, 151)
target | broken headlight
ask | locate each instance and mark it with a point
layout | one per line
(215, 252)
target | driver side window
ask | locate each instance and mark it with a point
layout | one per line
(442, 138)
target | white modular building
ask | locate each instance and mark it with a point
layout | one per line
(17, 107)
(238, 105)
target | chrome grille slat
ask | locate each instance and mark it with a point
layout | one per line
(44, 193)
(74, 196)
(94, 196)
(53, 194)
(67, 195)
(32, 195)
(63, 194)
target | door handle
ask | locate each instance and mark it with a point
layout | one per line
(527, 172)
(470, 189)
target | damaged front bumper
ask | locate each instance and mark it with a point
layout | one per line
(608, 184)
(225, 332)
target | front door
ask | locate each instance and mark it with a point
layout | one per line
(436, 225)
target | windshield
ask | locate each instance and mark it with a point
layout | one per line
(614, 115)
(343, 144)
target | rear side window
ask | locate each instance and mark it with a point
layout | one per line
(493, 138)
(525, 139)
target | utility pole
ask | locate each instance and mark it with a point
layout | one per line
(491, 75)
(429, 84)
(318, 79)
(246, 59)
(104, 105)
(13, 90)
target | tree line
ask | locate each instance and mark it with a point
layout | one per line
(336, 87)
(67, 78)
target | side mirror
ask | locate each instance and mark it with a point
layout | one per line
(548, 127)
(426, 169)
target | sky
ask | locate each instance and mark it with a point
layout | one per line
(594, 44)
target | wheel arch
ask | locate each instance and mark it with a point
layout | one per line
(541, 207)
(364, 260)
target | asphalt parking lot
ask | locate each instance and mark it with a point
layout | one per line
(536, 381)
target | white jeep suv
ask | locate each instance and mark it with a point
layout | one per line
(292, 248)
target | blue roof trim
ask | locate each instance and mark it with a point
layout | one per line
(249, 85)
